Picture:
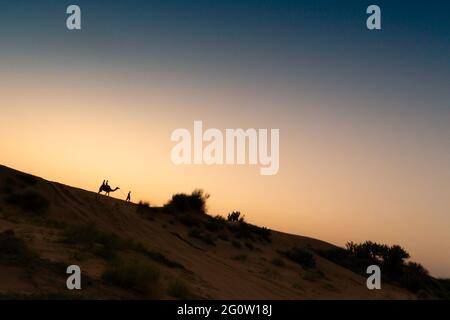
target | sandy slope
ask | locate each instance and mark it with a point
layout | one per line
(213, 272)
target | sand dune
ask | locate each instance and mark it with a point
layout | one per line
(183, 265)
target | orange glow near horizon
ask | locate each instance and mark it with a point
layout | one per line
(343, 177)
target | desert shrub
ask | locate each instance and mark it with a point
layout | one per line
(392, 260)
(202, 236)
(415, 278)
(14, 250)
(277, 262)
(235, 216)
(133, 275)
(29, 201)
(300, 256)
(194, 202)
(178, 289)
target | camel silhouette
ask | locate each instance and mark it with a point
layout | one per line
(107, 189)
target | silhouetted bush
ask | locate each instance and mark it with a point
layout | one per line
(181, 202)
(300, 256)
(415, 277)
(133, 275)
(235, 216)
(392, 261)
(29, 201)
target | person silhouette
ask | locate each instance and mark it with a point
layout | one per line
(106, 184)
(128, 196)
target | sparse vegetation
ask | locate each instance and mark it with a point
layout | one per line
(134, 275)
(392, 260)
(108, 245)
(300, 256)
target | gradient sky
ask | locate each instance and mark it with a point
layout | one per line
(363, 116)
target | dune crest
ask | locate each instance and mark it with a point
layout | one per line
(130, 250)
